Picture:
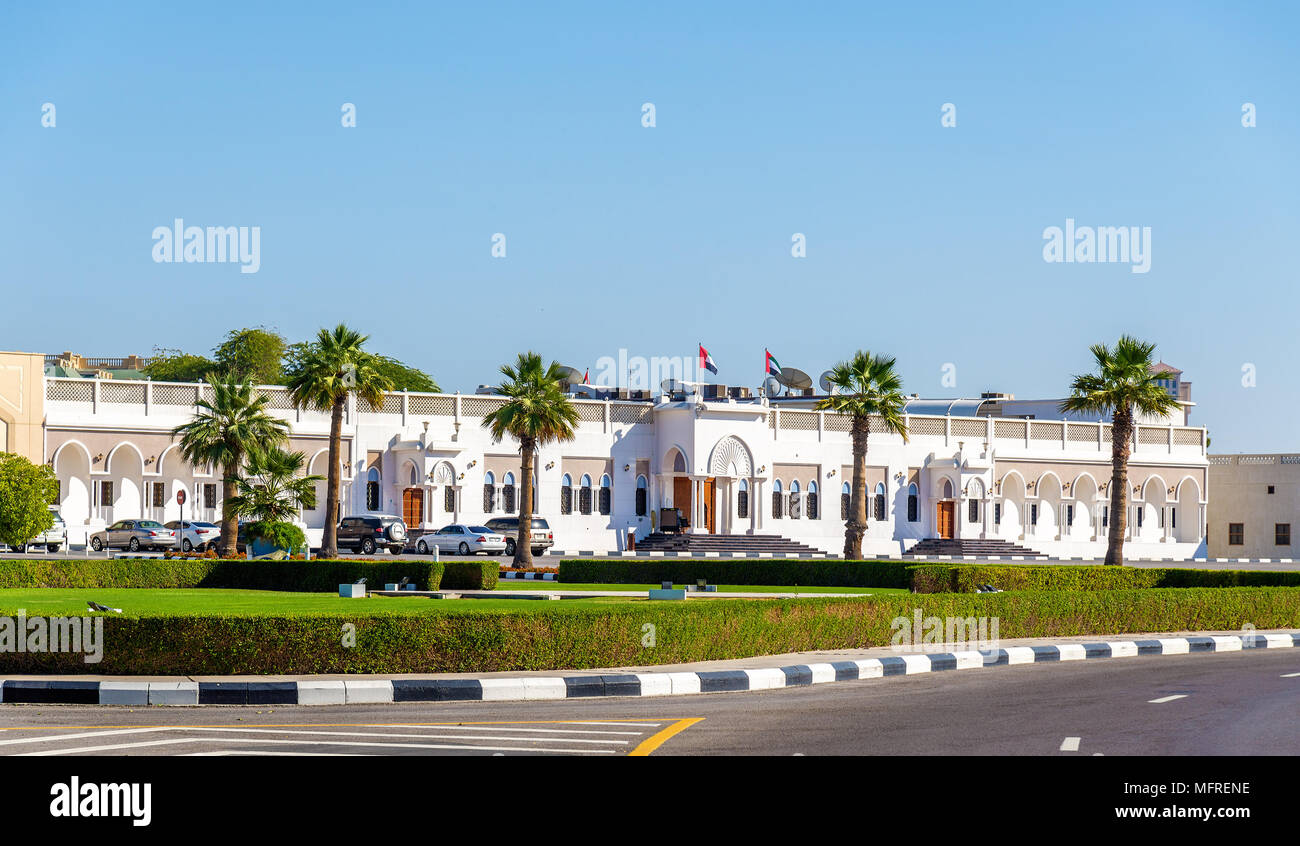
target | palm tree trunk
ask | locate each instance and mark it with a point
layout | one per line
(329, 545)
(1120, 431)
(229, 519)
(856, 526)
(524, 538)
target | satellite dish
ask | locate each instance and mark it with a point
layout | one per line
(573, 376)
(825, 382)
(771, 387)
(794, 378)
(672, 386)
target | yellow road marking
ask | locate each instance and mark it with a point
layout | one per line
(654, 741)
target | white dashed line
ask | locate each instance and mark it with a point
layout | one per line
(1164, 699)
(1291, 675)
(1070, 744)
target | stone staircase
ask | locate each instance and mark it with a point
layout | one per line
(727, 545)
(983, 548)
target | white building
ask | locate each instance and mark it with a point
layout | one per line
(734, 466)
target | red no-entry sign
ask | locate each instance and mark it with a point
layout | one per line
(180, 497)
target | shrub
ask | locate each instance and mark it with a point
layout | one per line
(470, 575)
(965, 578)
(738, 571)
(278, 534)
(610, 636)
(288, 575)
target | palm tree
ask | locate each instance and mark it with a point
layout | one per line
(335, 366)
(224, 431)
(272, 488)
(1125, 386)
(536, 413)
(864, 386)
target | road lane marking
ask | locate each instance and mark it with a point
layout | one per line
(507, 728)
(605, 741)
(1291, 675)
(82, 735)
(1070, 744)
(1164, 699)
(658, 739)
(449, 746)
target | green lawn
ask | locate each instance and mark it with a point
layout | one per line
(523, 584)
(151, 602)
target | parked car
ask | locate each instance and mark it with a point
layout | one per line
(134, 535)
(542, 538)
(463, 540)
(196, 536)
(54, 537)
(369, 532)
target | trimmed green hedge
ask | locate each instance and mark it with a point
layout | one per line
(470, 575)
(737, 571)
(965, 578)
(697, 630)
(315, 575)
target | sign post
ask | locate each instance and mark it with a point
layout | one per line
(180, 532)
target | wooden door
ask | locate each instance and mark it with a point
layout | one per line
(413, 507)
(710, 495)
(946, 513)
(682, 496)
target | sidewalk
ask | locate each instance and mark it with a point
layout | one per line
(744, 674)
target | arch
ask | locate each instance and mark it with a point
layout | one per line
(945, 487)
(975, 488)
(1016, 485)
(812, 487)
(509, 479)
(675, 460)
(58, 452)
(167, 451)
(1048, 491)
(410, 473)
(73, 472)
(489, 478)
(585, 481)
(845, 489)
(1148, 494)
(1050, 482)
(1084, 481)
(108, 460)
(567, 481)
(444, 473)
(1083, 491)
(604, 480)
(373, 475)
(1180, 493)
(1186, 514)
(776, 486)
(731, 457)
(794, 486)
(744, 485)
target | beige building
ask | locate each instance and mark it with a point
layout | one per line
(22, 405)
(1255, 510)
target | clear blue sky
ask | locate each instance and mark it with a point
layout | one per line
(923, 241)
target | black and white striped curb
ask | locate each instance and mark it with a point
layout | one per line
(532, 577)
(369, 691)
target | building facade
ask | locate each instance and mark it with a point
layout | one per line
(1254, 509)
(732, 466)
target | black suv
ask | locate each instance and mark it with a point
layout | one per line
(542, 537)
(367, 533)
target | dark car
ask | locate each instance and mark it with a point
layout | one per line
(542, 537)
(367, 533)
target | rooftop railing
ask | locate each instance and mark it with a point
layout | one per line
(94, 395)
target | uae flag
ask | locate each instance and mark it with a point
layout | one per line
(771, 366)
(586, 376)
(706, 361)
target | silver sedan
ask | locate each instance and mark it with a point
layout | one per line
(134, 535)
(463, 540)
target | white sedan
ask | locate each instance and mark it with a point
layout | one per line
(463, 540)
(198, 536)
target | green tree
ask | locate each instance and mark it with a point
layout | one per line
(865, 385)
(26, 493)
(272, 487)
(226, 430)
(334, 367)
(254, 355)
(536, 412)
(1126, 387)
(404, 377)
(167, 365)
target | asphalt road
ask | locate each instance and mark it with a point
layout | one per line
(1218, 704)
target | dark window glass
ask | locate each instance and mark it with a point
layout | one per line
(641, 502)
(209, 496)
(997, 513)
(1236, 534)
(777, 501)
(1033, 514)
(449, 499)
(812, 506)
(508, 497)
(584, 500)
(372, 496)
(913, 508)
(845, 502)
(742, 503)
(1282, 534)
(973, 511)
(880, 506)
(605, 500)
(566, 500)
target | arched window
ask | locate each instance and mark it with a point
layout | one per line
(913, 504)
(566, 494)
(605, 495)
(812, 500)
(973, 510)
(795, 501)
(584, 494)
(947, 489)
(489, 493)
(508, 494)
(777, 499)
(742, 499)
(846, 498)
(415, 477)
(448, 499)
(642, 492)
(372, 489)
(880, 501)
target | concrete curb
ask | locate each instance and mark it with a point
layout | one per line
(528, 688)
